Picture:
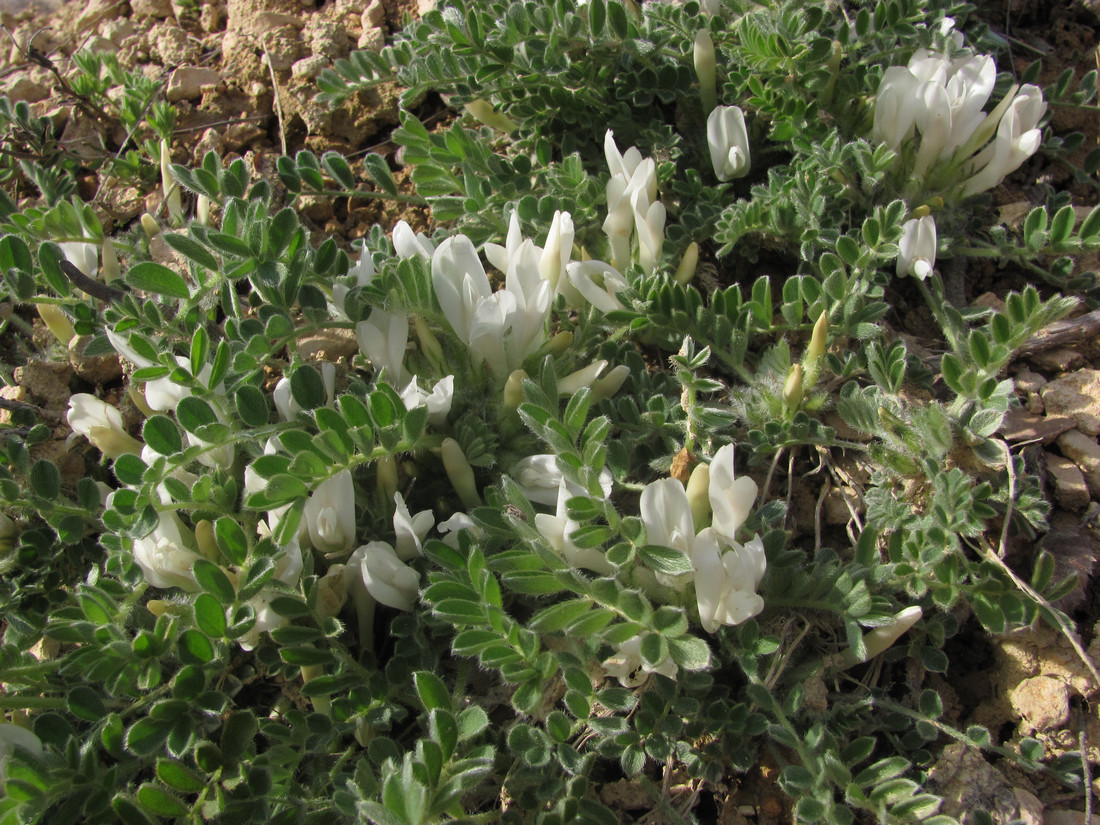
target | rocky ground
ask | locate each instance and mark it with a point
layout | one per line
(241, 74)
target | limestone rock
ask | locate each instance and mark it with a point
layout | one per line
(374, 15)
(1021, 426)
(23, 88)
(372, 39)
(1084, 451)
(308, 67)
(1042, 703)
(1070, 489)
(173, 45)
(157, 9)
(189, 82)
(1076, 395)
(95, 369)
(966, 781)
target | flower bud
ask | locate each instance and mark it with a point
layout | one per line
(150, 225)
(792, 388)
(688, 264)
(101, 424)
(728, 141)
(816, 350)
(387, 477)
(559, 343)
(429, 345)
(460, 472)
(169, 186)
(513, 391)
(698, 493)
(202, 210)
(882, 638)
(483, 111)
(204, 540)
(705, 66)
(611, 383)
(581, 378)
(57, 322)
(918, 248)
(111, 270)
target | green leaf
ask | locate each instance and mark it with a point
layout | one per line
(129, 469)
(161, 434)
(432, 690)
(559, 616)
(210, 615)
(307, 387)
(379, 172)
(237, 734)
(665, 560)
(152, 277)
(689, 652)
(195, 648)
(213, 580)
(192, 413)
(146, 736)
(160, 802)
(190, 248)
(86, 704)
(252, 406)
(231, 539)
(179, 777)
(45, 479)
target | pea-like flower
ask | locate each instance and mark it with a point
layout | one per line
(628, 666)
(330, 515)
(101, 424)
(728, 140)
(166, 557)
(726, 577)
(388, 579)
(918, 247)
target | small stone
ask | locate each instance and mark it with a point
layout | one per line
(189, 82)
(1064, 816)
(1070, 489)
(308, 67)
(46, 381)
(1042, 703)
(211, 141)
(1028, 381)
(327, 39)
(1057, 359)
(95, 369)
(122, 203)
(990, 300)
(267, 21)
(1084, 451)
(1030, 810)
(1076, 395)
(157, 9)
(329, 345)
(240, 135)
(374, 15)
(1035, 404)
(1021, 426)
(118, 30)
(173, 45)
(27, 90)
(211, 17)
(282, 49)
(9, 393)
(836, 506)
(372, 39)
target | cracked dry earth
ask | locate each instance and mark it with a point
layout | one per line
(241, 74)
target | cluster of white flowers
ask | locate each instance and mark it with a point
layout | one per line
(942, 99)
(633, 209)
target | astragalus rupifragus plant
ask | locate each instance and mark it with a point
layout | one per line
(461, 524)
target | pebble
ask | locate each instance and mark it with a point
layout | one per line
(372, 39)
(374, 15)
(1070, 490)
(1076, 395)
(172, 45)
(1041, 702)
(308, 67)
(1019, 425)
(1084, 451)
(158, 9)
(189, 82)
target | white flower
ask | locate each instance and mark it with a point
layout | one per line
(539, 479)
(630, 669)
(558, 528)
(165, 555)
(557, 251)
(84, 256)
(383, 338)
(266, 620)
(731, 498)
(598, 283)
(726, 579)
(409, 245)
(410, 530)
(12, 737)
(332, 591)
(450, 529)
(438, 401)
(632, 206)
(728, 140)
(330, 514)
(460, 282)
(101, 424)
(360, 273)
(389, 580)
(666, 515)
(918, 247)
(1018, 138)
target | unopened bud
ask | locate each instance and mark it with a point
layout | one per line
(202, 210)
(138, 397)
(484, 112)
(111, 269)
(882, 638)
(460, 473)
(581, 378)
(698, 493)
(921, 211)
(387, 477)
(57, 322)
(559, 343)
(705, 66)
(429, 344)
(818, 337)
(792, 389)
(611, 383)
(513, 391)
(204, 540)
(686, 270)
(150, 225)
(168, 185)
